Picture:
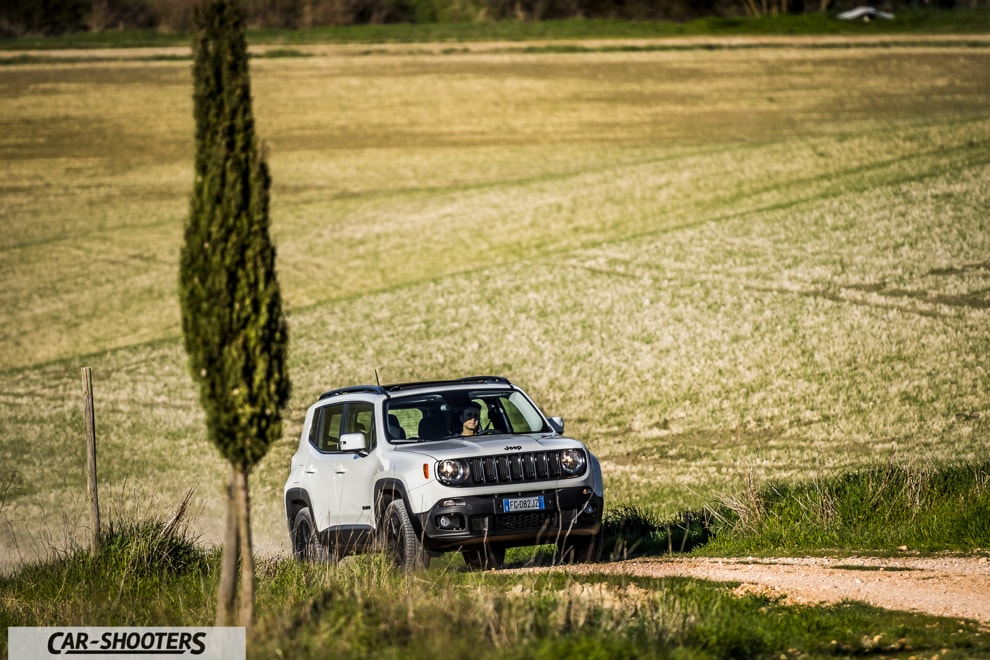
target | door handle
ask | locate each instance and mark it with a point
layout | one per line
(311, 469)
(341, 469)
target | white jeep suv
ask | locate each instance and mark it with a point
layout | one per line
(390, 468)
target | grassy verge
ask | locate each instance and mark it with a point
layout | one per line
(152, 573)
(921, 22)
(886, 509)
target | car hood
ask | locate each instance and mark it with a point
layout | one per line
(490, 445)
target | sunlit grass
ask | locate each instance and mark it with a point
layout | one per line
(876, 509)
(151, 571)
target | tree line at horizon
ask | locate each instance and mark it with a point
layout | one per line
(49, 17)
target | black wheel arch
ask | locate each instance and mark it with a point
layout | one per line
(387, 490)
(296, 499)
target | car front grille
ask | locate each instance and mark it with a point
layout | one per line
(538, 520)
(516, 468)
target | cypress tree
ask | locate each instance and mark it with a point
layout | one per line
(232, 321)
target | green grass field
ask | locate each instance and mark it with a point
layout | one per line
(720, 266)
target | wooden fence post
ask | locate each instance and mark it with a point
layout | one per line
(94, 498)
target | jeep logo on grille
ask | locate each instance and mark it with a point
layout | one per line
(513, 447)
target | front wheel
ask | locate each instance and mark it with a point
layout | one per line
(402, 545)
(306, 544)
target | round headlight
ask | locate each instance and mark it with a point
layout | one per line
(452, 471)
(572, 461)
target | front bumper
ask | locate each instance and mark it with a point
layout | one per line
(472, 520)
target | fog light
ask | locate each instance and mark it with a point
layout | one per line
(589, 508)
(450, 521)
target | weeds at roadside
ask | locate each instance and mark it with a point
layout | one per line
(152, 572)
(362, 607)
(887, 508)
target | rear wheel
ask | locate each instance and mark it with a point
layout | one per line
(484, 557)
(306, 544)
(402, 545)
(580, 549)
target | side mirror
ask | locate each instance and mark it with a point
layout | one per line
(355, 442)
(556, 423)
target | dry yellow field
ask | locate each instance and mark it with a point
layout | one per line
(719, 265)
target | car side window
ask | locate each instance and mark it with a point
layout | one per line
(361, 419)
(523, 419)
(314, 429)
(325, 433)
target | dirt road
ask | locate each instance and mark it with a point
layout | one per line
(943, 586)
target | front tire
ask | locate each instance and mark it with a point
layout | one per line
(306, 544)
(402, 546)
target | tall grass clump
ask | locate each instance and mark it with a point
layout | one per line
(884, 508)
(149, 571)
(151, 546)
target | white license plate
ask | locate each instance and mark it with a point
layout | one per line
(523, 504)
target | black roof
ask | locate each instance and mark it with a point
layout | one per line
(398, 387)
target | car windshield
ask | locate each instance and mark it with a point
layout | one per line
(438, 414)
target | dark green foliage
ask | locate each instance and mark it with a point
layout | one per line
(631, 531)
(44, 16)
(232, 321)
(32, 17)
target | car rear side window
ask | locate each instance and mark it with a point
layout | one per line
(325, 432)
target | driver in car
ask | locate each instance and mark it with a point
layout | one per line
(470, 420)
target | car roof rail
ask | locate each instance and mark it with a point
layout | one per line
(354, 389)
(501, 380)
(481, 380)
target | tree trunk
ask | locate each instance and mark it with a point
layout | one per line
(227, 596)
(243, 498)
